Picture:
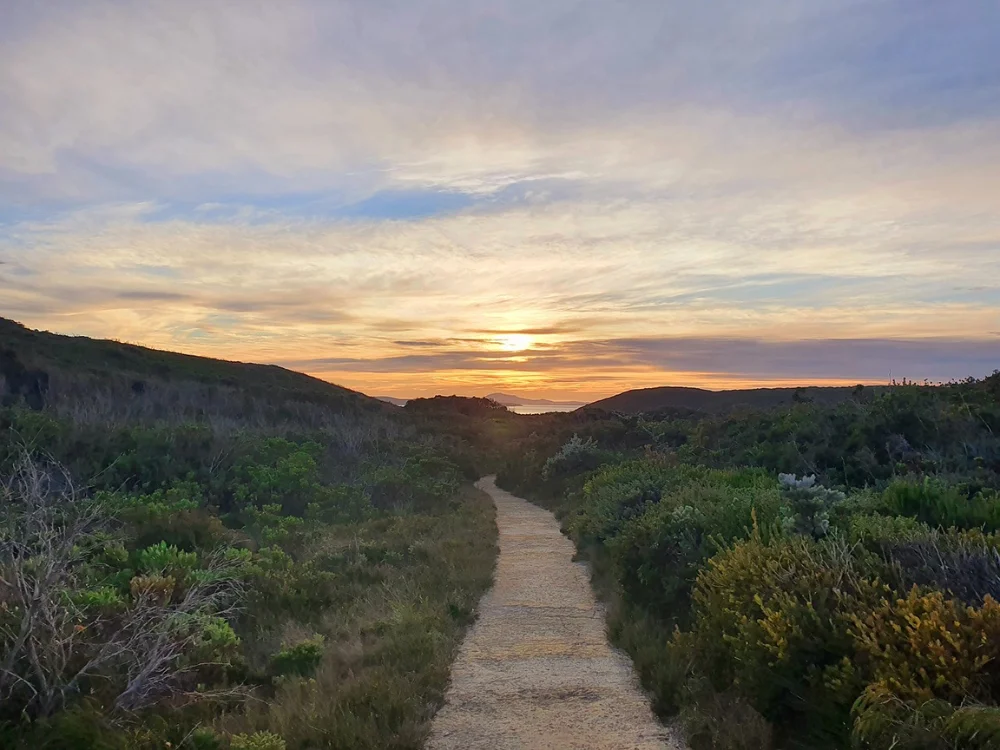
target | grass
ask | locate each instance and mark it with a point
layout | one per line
(390, 642)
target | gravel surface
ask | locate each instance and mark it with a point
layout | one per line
(536, 670)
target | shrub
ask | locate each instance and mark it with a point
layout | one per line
(877, 532)
(927, 646)
(300, 659)
(256, 741)
(810, 504)
(280, 472)
(269, 526)
(966, 565)
(164, 559)
(280, 587)
(773, 621)
(658, 554)
(574, 457)
(883, 720)
(937, 504)
(341, 504)
(724, 721)
(205, 738)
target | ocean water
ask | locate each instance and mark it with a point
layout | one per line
(543, 408)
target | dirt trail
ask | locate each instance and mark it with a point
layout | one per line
(536, 670)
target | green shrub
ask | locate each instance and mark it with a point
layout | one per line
(280, 472)
(341, 504)
(726, 721)
(302, 658)
(810, 504)
(877, 532)
(204, 738)
(658, 554)
(102, 598)
(256, 741)
(883, 720)
(773, 621)
(937, 504)
(576, 456)
(618, 493)
(281, 587)
(269, 526)
(166, 560)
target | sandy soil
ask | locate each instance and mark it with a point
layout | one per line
(536, 670)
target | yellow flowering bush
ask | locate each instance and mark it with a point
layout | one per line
(773, 621)
(927, 646)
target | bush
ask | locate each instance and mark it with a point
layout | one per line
(714, 721)
(576, 456)
(883, 720)
(300, 659)
(256, 741)
(810, 504)
(937, 504)
(658, 554)
(773, 621)
(927, 646)
(966, 565)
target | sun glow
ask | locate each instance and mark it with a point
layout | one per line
(514, 342)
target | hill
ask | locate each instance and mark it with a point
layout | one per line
(510, 399)
(234, 555)
(125, 380)
(643, 400)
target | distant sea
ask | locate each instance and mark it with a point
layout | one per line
(543, 408)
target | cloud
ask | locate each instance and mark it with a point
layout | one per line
(591, 368)
(150, 296)
(395, 183)
(183, 99)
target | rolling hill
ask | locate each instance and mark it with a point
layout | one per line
(510, 399)
(55, 369)
(643, 400)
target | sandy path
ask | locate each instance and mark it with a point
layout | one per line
(536, 670)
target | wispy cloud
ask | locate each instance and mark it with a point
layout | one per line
(396, 187)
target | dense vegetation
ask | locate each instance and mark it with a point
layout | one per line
(231, 557)
(811, 576)
(207, 555)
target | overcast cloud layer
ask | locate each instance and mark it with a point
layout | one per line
(565, 198)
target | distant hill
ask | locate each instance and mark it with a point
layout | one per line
(643, 400)
(125, 380)
(392, 400)
(509, 399)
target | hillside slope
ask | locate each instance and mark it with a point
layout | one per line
(55, 370)
(717, 402)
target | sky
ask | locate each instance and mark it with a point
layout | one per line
(562, 199)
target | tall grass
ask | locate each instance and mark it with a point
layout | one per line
(390, 642)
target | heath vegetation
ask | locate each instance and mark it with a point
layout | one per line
(231, 557)
(206, 555)
(811, 575)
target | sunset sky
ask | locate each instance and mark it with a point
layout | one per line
(551, 197)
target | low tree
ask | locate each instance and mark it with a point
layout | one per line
(66, 628)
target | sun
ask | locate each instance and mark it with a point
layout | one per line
(514, 342)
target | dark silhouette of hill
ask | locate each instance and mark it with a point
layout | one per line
(510, 399)
(643, 400)
(46, 368)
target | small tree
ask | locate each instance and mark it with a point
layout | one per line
(810, 504)
(61, 631)
(576, 455)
